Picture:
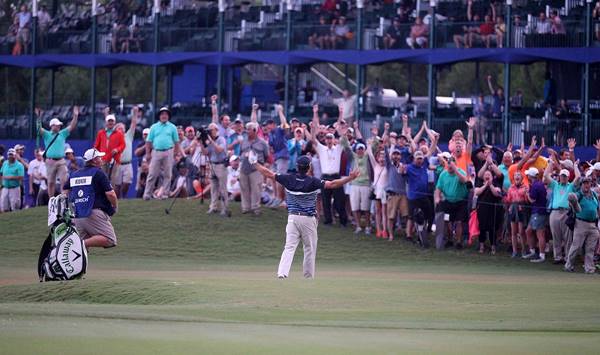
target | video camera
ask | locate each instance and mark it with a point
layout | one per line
(202, 135)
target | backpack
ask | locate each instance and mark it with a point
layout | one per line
(63, 255)
(570, 221)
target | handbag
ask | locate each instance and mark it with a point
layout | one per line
(372, 195)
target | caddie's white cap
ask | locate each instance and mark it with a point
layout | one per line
(55, 122)
(110, 117)
(564, 172)
(532, 172)
(596, 166)
(92, 153)
(146, 131)
(69, 150)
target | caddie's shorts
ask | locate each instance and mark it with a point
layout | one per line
(98, 223)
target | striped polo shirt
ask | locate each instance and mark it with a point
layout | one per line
(301, 192)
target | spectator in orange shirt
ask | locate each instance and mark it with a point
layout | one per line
(112, 142)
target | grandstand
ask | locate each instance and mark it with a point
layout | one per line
(270, 50)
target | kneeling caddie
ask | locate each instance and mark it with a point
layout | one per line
(94, 201)
(301, 197)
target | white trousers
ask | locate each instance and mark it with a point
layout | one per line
(299, 228)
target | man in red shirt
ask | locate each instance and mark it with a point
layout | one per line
(484, 33)
(111, 142)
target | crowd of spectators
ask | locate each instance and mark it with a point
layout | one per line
(520, 199)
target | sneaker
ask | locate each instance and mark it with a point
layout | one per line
(211, 211)
(558, 262)
(590, 272)
(514, 255)
(225, 213)
(358, 230)
(528, 255)
(538, 260)
(281, 277)
(368, 231)
(493, 250)
(384, 234)
(567, 269)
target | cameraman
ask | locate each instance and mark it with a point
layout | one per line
(216, 148)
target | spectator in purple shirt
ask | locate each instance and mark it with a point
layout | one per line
(278, 142)
(539, 216)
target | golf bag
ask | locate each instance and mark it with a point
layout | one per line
(421, 226)
(63, 255)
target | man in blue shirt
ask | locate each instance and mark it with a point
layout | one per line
(278, 142)
(418, 187)
(161, 141)
(94, 202)
(395, 190)
(539, 216)
(585, 204)
(12, 173)
(301, 196)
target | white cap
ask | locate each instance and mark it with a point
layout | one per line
(146, 131)
(329, 135)
(12, 151)
(360, 146)
(55, 122)
(233, 158)
(564, 172)
(532, 172)
(92, 153)
(445, 155)
(567, 164)
(69, 150)
(596, 166)
(110, 117)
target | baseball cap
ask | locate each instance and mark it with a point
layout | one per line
(360, 146)
(418, 154)
(233, 158)
(396, 150)
(445, 155)
(303, 161)
(164, 109)
(19, 146)
(532, 172)
(567, 164)
(329, 135)
(92, 153)
(69, 150)
(146, 131)
(596, 166)
(110, 117)
(55, 122)
(269, 121)
(189, 129)
(294, 119)
(587, 178)
(351, 130)
(564, 172)
(238, 120)
(12, 151)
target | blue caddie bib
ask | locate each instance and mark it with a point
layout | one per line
(82, 194)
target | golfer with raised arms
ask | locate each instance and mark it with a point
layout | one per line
(301, 197)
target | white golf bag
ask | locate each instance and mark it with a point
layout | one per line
(63, 255)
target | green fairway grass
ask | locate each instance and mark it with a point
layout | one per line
(192, 283)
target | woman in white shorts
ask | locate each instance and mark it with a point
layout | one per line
(379, 181)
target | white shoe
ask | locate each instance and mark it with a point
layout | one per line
(538, 260)
(358, 230)
(368, 230)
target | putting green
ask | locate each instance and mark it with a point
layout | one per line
(189, 283)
